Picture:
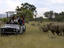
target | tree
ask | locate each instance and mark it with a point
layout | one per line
(26, 9)
(49, 14)
(60, 16)
(29, 6)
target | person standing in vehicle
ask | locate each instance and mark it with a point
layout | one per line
(12, 20)
(23, 20)
(20, 22)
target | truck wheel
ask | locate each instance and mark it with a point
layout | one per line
(24, 28)
(21, 31)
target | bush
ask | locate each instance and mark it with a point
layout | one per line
(4, 19)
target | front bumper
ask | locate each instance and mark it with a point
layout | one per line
(8, 30)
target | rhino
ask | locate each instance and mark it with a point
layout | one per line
(57, 28)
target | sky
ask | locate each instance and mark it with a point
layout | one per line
(41, 5)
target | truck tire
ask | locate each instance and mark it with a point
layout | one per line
(24, 28)
(21, 31)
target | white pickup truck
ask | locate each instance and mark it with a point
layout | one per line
(12, 28)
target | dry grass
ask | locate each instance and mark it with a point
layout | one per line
(32, 38)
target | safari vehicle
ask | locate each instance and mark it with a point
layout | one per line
(12, 28)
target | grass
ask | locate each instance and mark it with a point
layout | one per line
(32, 38)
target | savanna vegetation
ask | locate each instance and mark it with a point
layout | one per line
(40, 33)
(34, 37)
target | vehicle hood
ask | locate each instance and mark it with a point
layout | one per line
(10, 26)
